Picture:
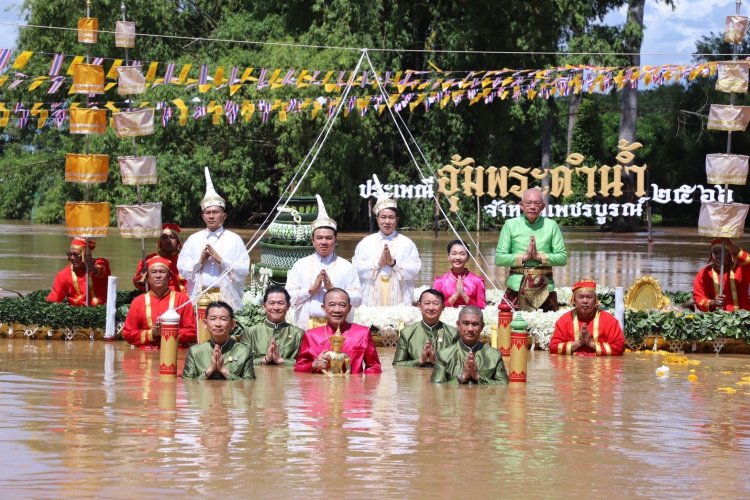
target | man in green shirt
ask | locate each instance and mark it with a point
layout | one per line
(530, 245)
(469, 361)
(222, 357)
(419, 343)
(274, 342)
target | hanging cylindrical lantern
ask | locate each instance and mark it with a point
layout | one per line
(728, 118)
(88, 79)
(87, 219)
(726, 169)
(86, 168)
(139, 221)
(733, 76)
(88, 121)
(134, 123)
(130, 80)
(734, 29)
(137, 170)
(88, 29)
(722, 220)
(125, 34)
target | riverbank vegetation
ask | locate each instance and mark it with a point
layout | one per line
(252, 162)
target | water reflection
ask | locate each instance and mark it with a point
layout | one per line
(33, 253)
(79, 419)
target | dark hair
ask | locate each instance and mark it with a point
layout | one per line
(276, 289)
(395, 209)
(432, 291)
(220, 304)
(456, 242)
(348, 299)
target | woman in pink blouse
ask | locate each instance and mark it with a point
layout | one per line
(459, 285)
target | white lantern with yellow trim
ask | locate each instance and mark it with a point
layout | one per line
(722, 220)
(134, 123)
(139, 221)
(726, 169)
(137, 170)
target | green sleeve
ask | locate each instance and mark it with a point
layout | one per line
(503, 257)
(402, 358)
(499, 376)
(440, 373)
(191, 369)
(559, 255)
(248, 370)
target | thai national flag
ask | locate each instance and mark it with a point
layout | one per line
(57, 82)
(200, 111)
(203, 78)
(231, 110)
(169, 73)
(4, 58)
(56, 66)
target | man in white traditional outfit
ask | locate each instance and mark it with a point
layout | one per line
(214, 260)
(387, 262)
(310, 277)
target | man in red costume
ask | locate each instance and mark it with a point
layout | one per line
(142, 325)
(73, 281)
(736, 279)
(358, 343)
(587, 330)
(169, 247)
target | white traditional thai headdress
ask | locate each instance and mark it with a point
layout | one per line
(384, 201)
(323, 220)
(212, 198)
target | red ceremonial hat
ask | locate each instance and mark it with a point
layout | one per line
(171, 225)
(716, 242)
(585, 284)
(79, 243)
(157, 260)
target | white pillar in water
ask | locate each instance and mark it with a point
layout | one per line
(110, 329)
(620, 307)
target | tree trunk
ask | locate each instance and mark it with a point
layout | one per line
(629, 105)
(575, 103)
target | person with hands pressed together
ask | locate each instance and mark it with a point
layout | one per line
(387, 262)
(587, 330)
(469, 361)
(310, 277)
(274, 342)
(530, 245)
(143, 322)
(222, 357)
(459, 285)
(358, 343)
(214, 261)
(419, 343)
(736, 279)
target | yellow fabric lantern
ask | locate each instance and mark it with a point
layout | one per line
(88, 121)
(125, 34)
(139, 221)
(734, 29)
(86, 219)
(130, 80)
(728, 118)
(88, 29)
(722, 220)
(137, 170)
(134, 123)
(86, 168)
(88, 79)
(726, 169)
(733, 77)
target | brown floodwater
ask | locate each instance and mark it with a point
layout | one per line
(92, 419)
(31, 254)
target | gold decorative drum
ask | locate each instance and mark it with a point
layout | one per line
(88, 121)
(125, 34)
(134, 123)
(86, 169)
(139, 221)
(86, 219)
(88, 29)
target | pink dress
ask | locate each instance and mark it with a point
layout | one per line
(473, 286)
